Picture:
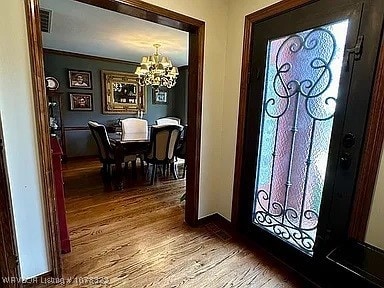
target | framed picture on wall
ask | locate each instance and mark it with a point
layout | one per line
(159, 97)
(80, 102)
(122, 94)
(80, 79)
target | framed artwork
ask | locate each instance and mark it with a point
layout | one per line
(122, 94)
(159, 97)
(80, 102)
(80, 79)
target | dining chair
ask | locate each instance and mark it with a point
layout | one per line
(105, 148)
(168, 121)
(164, 139)
(181, 149)
(134, 129)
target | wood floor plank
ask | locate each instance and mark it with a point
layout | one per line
(137, 238)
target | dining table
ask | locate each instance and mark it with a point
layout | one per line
(126, 147)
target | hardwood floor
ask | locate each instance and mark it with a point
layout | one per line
(137, 238)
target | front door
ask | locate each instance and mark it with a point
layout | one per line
(310, 84)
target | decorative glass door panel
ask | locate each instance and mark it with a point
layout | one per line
(300, 97)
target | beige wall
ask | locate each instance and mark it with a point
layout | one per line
(375, 231)
(235, 32)
(223, 49)
(214, 14)
(16, 109)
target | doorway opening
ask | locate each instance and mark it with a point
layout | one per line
(152, 13)
(96, 106)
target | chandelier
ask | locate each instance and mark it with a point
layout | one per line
(157, 71)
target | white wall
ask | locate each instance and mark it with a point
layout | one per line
(16, 110)
(375, 231)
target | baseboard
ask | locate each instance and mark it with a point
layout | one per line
(205, 220)
(218, 220)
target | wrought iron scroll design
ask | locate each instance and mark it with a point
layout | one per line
(285, 222)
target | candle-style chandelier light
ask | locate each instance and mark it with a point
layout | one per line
(157, 71)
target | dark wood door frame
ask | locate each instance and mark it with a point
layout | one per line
(145, 11)
(9, 266)
(373, 141)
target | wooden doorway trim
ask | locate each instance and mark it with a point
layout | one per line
(145, 11)
(42, 131)
(374, 132)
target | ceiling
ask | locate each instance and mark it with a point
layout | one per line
(86, 29)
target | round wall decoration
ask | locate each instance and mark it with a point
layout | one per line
(51, 83)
